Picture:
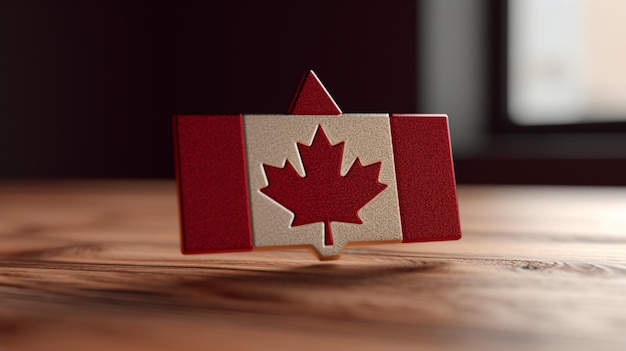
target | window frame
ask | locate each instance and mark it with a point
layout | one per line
(508, 153)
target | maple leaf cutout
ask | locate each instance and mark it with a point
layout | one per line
(323, 195)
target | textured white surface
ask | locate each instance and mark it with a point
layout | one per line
(271, 139)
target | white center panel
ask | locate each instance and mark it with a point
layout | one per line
(272, 139)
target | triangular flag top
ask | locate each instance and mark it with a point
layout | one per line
(312, 98)
(322, 179)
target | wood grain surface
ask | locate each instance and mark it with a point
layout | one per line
(95, 265)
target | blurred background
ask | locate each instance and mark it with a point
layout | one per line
(535, 90)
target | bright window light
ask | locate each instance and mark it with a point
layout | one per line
(566, 61)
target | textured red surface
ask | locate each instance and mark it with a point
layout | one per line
(212, 183)
(323, 195)
(425, 178)
(312, 98)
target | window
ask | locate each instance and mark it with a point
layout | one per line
(554, 111)
(566, 61)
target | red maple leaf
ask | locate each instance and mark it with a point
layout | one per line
(323, 195)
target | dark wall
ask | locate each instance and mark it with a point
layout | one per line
(88, 88)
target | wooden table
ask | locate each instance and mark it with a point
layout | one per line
(95, 265)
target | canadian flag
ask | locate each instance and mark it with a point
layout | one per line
(315, 179)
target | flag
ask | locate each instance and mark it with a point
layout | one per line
(316, 178)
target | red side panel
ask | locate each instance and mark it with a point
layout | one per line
(212, 183)
(425, 178)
